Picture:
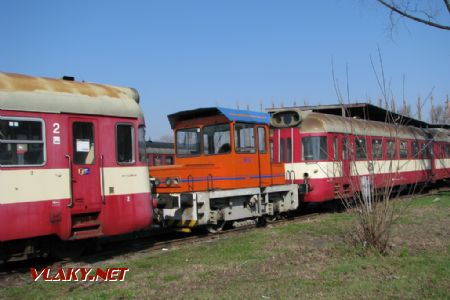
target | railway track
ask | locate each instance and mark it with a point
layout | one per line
(18, 273)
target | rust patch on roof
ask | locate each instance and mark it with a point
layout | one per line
(23, 83)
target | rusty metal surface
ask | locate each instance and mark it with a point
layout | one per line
(317, 122)
(39, 94)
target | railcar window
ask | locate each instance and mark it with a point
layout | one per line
(282, 147)
(125, 143)
(157, 160)
(391, 153)
(244, 138)
(216, 139)
(314, 148)
(361, 148)
(188, 142)
(288, 150)
(169, 160)
(403, 149)
(415, 149)
(83, 143)
(142, 146)
(426, 149)
(377, 149)
(344, 148)
(21, 142)
(335, 148)
(448, 150)
(262, 140)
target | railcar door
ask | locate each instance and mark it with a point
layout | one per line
(86, 162)
(264, 167)
(346, 176)
(286, 149)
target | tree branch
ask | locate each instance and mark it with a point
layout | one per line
(420, 20)
(447, 4)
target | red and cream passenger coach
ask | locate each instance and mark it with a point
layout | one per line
(72, 163)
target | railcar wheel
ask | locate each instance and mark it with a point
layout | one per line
(215, 228)
(67, 249)
(271, 219)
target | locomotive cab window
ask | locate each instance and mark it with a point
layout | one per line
(216, 139)
(314, 148)
(22, 142)
(244, 138)
(188, 142)
(262, 140)
(125, 143)
(415, 149)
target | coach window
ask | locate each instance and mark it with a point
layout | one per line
(391, 153)
(188, 142)
(403, 149)
(448, 151)
(314, 148)
(262, 140)
(83, 143)
(377, 149)
(21, 142)
(244, 138)
(125, 143)
(361, 148)
(216, 139)
(142, 146)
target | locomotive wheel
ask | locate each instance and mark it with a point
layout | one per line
(215, 228)
(270, 219)
(63, 250)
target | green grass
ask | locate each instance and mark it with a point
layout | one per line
(307, 259)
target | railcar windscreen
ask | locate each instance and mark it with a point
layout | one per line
(314, 148)
(21, 142)
(142, 146)
(216, 139)
(188, 141)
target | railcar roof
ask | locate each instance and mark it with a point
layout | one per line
(317, 122)
(38, 94)
(231, 114)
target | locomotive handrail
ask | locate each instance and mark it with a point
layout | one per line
(102, 179)
(70, 180)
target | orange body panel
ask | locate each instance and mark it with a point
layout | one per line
(219, 171)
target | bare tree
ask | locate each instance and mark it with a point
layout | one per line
(405, 109)
(166, 138)
(424, 12)
(419, 108)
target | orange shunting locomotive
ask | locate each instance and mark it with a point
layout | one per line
(223, 172)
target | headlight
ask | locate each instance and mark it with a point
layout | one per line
(168, 181)
(176, 181)
(157, 182)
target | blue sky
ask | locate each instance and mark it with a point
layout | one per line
(189, 54)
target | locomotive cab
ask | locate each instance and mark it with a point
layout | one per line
(222, 161)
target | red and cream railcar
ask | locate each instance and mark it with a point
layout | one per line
(72, 162)
(332, 153)
(441, 153)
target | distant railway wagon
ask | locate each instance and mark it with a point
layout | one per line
(72, 164)
(222, 171)
(331, 153)
(160, 153)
